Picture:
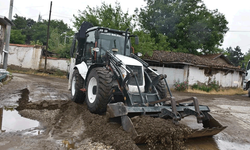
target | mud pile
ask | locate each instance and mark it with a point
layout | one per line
(160, 133)
(110, 133)
(65, 120)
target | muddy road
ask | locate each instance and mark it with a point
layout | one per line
(36, 113)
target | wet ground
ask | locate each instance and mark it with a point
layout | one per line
(36, 113)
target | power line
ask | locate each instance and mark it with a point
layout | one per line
(63, 16)
(18, 11)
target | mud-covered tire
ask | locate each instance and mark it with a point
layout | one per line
(76, 84)
(99, 85)
(160, 87)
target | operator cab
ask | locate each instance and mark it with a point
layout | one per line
(100, 40)
(90, 44)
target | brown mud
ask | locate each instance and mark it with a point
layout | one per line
(160, 133)
(68, 120)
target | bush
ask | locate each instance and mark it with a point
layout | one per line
(214, 85)
(207, 88)
(181, 86)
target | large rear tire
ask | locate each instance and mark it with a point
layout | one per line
(160, 87)
(99, 85)
(76, 84)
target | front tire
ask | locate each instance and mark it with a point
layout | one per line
(99, 86)
(76, 85)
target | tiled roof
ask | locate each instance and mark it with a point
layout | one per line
(216, 56)
(176, 57)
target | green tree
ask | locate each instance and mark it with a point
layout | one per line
(148, 44)
(59, 24)
(57, 46)
(25, 26)
(39, 32)
(235, 56)
(246, 58)
(189, 25)
(106, 16)
(29, 30)
(17, 37)
(20, 22)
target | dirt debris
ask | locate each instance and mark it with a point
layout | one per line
(70, 121)
(160, 133)
(95, 126)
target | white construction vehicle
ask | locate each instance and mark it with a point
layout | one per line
(106, 75)
(246, 82)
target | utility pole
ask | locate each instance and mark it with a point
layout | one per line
(45, 65)
(7, 42)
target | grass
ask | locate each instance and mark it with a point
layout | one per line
(226, 91)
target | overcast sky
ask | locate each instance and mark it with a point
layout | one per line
(237, 14)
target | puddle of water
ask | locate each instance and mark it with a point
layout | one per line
(11, 121)
(214, 144)
(231, 145)
(33, 132)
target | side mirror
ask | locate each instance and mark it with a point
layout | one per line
(97, 34)
(136, 40)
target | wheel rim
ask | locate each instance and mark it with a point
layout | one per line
(73, 88)
(92, 87)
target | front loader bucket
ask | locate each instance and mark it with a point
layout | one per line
(211, 127)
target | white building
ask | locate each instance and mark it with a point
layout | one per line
(181, 67)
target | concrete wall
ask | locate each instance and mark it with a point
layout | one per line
(54, 63)
(29, 56)
(194, 74)
(25, 56)
(232, 79)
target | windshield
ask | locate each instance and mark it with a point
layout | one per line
(109, 41)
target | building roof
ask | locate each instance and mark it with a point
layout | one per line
(191, 59)
(5, 21)
(216, 56)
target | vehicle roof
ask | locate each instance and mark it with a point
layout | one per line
(108, 30)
